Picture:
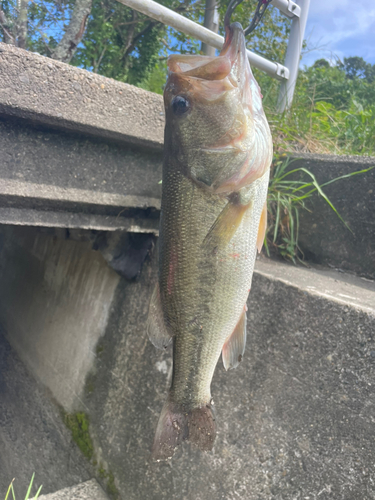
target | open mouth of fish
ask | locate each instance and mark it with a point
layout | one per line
(209, 81)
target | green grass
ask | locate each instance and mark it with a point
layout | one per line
(11, 490)
(288, 191)
(319, 127)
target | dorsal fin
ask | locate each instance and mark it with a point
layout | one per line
(234, 347)
(262, 228)
(157, 330)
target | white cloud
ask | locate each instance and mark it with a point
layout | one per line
(344, 27)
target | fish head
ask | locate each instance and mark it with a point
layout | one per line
(215, 124)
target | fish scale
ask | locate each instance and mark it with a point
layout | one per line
(212, 204)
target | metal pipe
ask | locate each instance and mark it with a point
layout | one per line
(211, 22)
(287, 7)
(293, 54)
(181, 23)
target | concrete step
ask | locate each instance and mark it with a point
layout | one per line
(330, 284)
(90, 490)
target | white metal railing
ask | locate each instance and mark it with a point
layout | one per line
(297, 11)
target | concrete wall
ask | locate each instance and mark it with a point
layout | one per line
(33, 436)
(324, 239)
(55, 297)
(60, 179)
(295, 419)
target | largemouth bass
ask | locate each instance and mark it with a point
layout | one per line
(218, 151)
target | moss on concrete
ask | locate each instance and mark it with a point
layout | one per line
(110, 481)
(111, 487)
(78, 424)
(99, 350)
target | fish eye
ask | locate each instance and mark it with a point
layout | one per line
(180, 105)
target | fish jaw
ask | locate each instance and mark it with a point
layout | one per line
(222, 141)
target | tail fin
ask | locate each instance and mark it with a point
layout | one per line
(176, 425)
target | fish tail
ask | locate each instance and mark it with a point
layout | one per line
(177, 424)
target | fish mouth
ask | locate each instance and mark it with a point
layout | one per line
(228, 65)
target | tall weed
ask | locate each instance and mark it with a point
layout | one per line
(28, 493)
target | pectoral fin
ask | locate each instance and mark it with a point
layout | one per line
(262, 228)
(156, 328)
(225, 226)
(234, 347)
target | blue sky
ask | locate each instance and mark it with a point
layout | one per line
(341, 27)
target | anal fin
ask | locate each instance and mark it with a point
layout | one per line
(234, 347)
(262, 228)
(225, 226)
(156, 328)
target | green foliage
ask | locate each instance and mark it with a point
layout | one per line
(270, 38)
(357, 67)
(28, 493)
(331, 113)
(46, 19)
(155, 80)
(119, 43)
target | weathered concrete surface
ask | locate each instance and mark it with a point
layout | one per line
(56, 179)
(55, 94)
(295, 420)
(32, 435)
(323, 237)
(90, 490)
(55, 297)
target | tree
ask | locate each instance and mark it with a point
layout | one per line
(6, 28)
(74, 31)
(357, 67)
(321, 63)
(119, 42)
(27, 24)
(106, 37)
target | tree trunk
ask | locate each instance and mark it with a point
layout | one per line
(74, 32)
(22, 24)
(5, 26)
(211, 21)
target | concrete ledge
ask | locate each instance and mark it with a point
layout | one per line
(345, 289)
(55, 94)
(84, 491)
(56, 179)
